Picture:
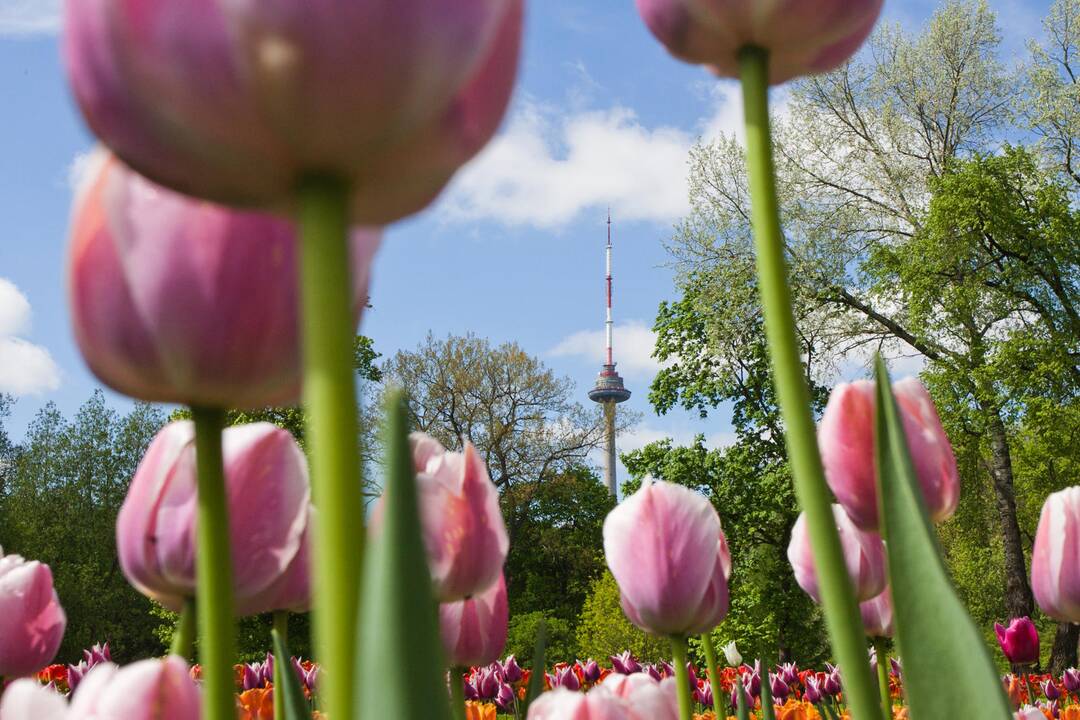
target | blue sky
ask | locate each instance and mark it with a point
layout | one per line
(512, 251)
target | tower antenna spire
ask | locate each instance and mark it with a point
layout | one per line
(609, 390)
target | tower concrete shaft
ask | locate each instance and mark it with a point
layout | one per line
(609, 390)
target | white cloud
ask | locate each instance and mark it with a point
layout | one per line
(633, 343)
(25, 368)
(29, 17)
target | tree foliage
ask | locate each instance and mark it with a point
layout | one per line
(604, 629)
(65, 485)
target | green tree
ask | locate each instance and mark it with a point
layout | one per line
(522, 632)
(557, 551)
(65, 485)
(604, 630)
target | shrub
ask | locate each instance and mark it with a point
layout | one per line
(604, 629)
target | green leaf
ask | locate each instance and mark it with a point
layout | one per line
(768, 710)
(740, 693)
(290, 693)
(401, 673)
(536, 679)
(947, 669)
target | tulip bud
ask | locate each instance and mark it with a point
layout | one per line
(1050, 690)
(31, 620)
(474, 630)
(877, 615)
(285, 102)
(803, 37)
(505, 698)
(779, 688)
(662, 545)
(1019, 642)
(846, 439)
(789, 673)
(731, 654)
(590, 671)
(464, 533)
(564, 678)
(864, 556)
(813, 693)
(179, 301)
(155, 529)
(28, 700)
(1055, 562)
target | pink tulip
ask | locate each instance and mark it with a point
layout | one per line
(267, 487)
(662, 545)
(647, 698)
(146, 690)
(1019, 642)
(563, 704)
(464, 533)
(1055, 559)
(31, 620)
(180, 301)
(877, 615)
(803, 37)
(864, 555)
(236, 102)
(846, 439)
(474, 630)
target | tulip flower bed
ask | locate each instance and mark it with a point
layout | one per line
(219, 259)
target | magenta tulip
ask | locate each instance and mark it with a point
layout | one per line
(31, 620)
(237, 102)
(180, 301)
(803, 37)
(1055, 559)
(474, 630)
(877, 615)
(662, 545)
(864, 555)
(846, 439)
(1019, 642)
(464, 533)
(267, 488)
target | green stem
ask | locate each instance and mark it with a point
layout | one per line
(714, 676)
(281, 627)
(838, 599)
(883, 677)
(184, 634)
(213, 569)
(768, 709)
(457, 692)
(742, 711)
(330, 397)
(682, 678)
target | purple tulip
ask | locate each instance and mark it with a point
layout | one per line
(32, 621)
(1019, 642)
(846, 439)
(179, 301)
(590, 671)
(565, 678)
(155, 529)
(1071, 679)
(625, 664)
(877, 615)
(236, 102)
(896, 667)
(789, 673)
(663, 546)
(813, 693)
(511, 671)
(97, 654)
(505, 698)
(1050, 690)
(703, 695)
(746, 697)
(832, 684)
(471, 693)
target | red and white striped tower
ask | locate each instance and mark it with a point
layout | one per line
(609, 390)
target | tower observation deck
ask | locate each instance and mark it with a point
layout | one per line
(609, 390)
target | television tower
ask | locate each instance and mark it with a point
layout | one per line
(609, 390)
